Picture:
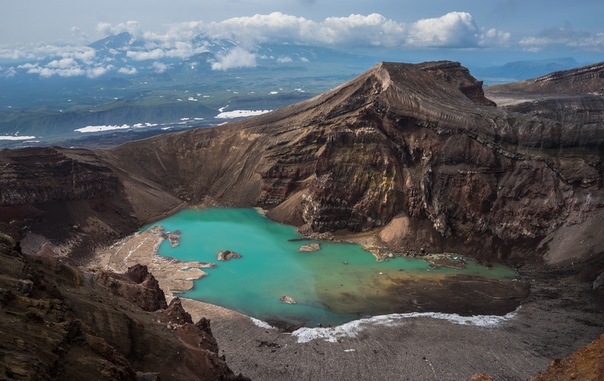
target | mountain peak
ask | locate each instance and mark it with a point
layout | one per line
(116, 41)
(585, 80)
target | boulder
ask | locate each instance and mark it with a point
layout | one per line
(226, 255)
(310, 247)
(287, 299)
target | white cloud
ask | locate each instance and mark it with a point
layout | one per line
(284, 60)
(8, 72)
(159, 67)
(65, 67)
(63, 63)
(233, 59)
(146, 55)
(33, 52)
(357, 30)
(455, 29)
(97, 71)
(494, 37)
(107, 29)
(565, 36)
(47, 72)
(371, 30)
(127, 70)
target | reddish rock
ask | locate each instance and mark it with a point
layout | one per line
(84, 332)
(586, 364)
(174, 313)
(137, 285)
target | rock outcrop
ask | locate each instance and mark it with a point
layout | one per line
(414, 149)
(60, 323)
(417, 151)
(227, 255)
(137, 286)
(287, 300)
(586, 364)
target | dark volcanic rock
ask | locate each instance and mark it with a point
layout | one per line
(38, 175)
(417, 150)
(175, 313)
(227, 255)
(414, 145)
(137, 286)
(71, 201)
(58, 323)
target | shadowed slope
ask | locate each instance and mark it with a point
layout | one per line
(417, 142)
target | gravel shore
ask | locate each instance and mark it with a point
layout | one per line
(561, 315)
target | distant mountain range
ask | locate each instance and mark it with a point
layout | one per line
(129, 87)
(519, 70)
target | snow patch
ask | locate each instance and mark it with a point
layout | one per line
(261, 324)
(104, 128)
(240, 113)
(12, 137)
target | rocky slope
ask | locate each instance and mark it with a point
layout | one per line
(66, 202)
(60, 323)
(586, 364)
(416, 150)
(571, 96)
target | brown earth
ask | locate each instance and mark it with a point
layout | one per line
(417, 146)
(405, 156)
(60, 323)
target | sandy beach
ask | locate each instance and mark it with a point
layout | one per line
(560, 315)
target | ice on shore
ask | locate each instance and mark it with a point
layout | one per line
(261, 324)
(353, 328)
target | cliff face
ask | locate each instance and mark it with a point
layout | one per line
(60, 323)
(67, 201)
(573, 96)
(67, 175)
(415, 149)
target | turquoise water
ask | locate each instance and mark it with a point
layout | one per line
(326, 290)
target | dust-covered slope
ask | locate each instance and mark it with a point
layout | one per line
(413, 153)
(569, 96)
(62, 323)
(416, 149)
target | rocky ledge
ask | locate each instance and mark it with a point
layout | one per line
(60, 323)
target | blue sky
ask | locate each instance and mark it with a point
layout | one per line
(511, 29)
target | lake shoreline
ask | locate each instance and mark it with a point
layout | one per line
(560, 315)
(335, 282)
(419, 348)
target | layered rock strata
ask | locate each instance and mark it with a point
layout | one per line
(414, 149)
(60, 323)
(415, 153)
